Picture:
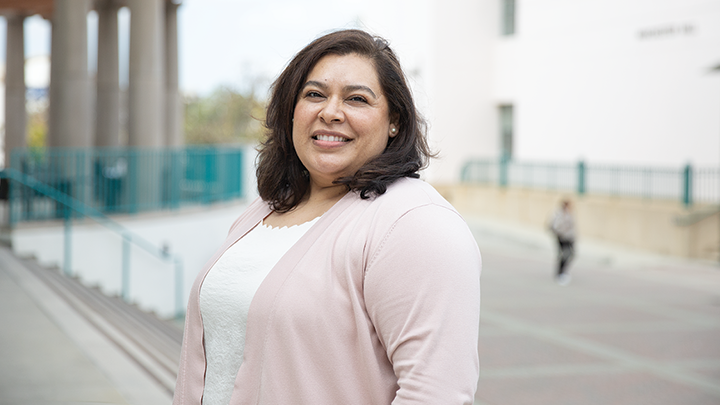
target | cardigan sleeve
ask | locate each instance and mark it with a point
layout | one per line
(422, 293)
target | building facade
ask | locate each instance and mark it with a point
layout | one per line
(604, 81)
(83, 112)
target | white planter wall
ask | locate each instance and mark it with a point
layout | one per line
(193, 234)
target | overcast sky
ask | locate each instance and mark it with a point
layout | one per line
(245, 43)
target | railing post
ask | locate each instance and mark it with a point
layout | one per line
(133, 176)
(179, 301)
(581, 178)
(504, 159)
(208, 162)
(464, 172)
(12, 216)
(175, 177)
(67, 254)
(125, 286)
(687, 186)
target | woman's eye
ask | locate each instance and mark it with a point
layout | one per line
(359, 99)
(313, 94)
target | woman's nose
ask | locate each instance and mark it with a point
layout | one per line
(332, 112)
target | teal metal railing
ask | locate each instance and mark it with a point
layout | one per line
(685, 184)
(125, 180)
(72, 206)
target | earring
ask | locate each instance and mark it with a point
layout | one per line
(393, 130)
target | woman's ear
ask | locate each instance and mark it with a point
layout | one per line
(394, 125)
(393, 130)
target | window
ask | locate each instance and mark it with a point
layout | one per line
(508, 17)
(506, 131)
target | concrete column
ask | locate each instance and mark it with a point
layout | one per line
(15, 113)
(146, 126)
(173, 112)
(70, 119)
(107, 130)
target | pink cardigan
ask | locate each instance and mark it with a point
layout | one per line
(378, 303)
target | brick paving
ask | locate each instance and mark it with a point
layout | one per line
(630, 329)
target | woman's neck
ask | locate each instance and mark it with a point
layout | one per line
(317, 201)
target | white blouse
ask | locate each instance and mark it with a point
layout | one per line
(225, 298)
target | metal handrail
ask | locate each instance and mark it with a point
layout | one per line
(130, 180)
(128, 236)
(686, 184)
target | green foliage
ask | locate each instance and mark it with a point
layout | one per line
(225, 116)
(37, 130)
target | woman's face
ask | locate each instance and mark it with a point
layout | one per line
(341, 118)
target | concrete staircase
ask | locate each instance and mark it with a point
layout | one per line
(152, 343)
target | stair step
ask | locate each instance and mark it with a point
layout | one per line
(151, 342)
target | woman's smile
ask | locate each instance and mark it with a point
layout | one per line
(329, 140)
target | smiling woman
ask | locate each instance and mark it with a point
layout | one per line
(349, 281)
(406, 153)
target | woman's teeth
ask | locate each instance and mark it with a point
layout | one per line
(330, 138)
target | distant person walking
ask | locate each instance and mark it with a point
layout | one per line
(563, 226)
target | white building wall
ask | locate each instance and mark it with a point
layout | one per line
(607, 81)
(460, 110)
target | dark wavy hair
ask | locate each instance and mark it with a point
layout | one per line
(282, 178)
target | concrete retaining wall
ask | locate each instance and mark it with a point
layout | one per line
(665, 227)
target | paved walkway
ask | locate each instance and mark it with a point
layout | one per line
(630, 329)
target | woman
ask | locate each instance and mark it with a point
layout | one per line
(349, 281)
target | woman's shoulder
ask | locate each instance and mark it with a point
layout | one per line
(401, 197)
(409, 193)
(408, 211)
(412, 215)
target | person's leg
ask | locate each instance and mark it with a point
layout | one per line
(561, 255)
(566, 252)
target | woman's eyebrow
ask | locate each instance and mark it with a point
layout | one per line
(315, 83)
(349, 88)
(356, 87)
